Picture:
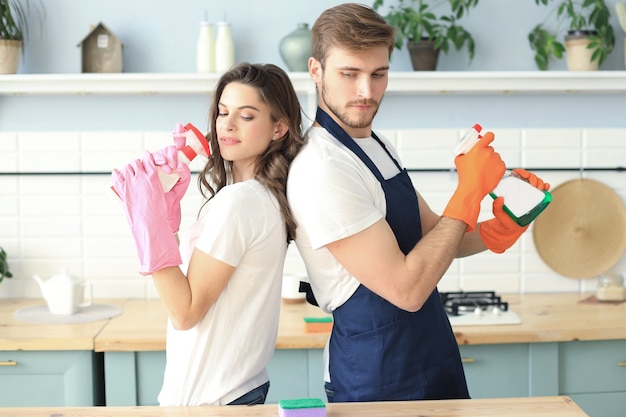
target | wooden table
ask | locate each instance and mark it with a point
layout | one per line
(501, 407)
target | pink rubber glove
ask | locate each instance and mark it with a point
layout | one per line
(145, 207)
(167, 160)
(173, 197)
(501, 232)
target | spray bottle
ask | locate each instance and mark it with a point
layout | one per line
(522, 201)
(190, 143)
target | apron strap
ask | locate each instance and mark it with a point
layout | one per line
(342, 136)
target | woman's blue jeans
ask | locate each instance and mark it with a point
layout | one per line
(256, 396)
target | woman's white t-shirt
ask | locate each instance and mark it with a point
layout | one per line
(224, 356)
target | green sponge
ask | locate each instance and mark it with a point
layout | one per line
(302, 407)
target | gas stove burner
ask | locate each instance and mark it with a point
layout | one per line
(462, 302)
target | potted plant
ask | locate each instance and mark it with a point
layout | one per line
(4, 266)
(417, 24)
(588, 33)
(620, 9)
(13, 32)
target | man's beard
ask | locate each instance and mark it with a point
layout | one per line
(343, 116)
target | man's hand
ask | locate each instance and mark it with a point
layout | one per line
(479, 170)
(501, 232)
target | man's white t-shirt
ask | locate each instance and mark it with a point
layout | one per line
(333, 195)
(224, 356)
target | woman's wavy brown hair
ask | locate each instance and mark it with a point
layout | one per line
(271, 168)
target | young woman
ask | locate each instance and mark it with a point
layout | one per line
(223, 301)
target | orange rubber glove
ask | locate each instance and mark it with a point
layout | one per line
(479, 171)
(501, 232)
(531, 178)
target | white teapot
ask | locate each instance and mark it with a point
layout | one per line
(64, 293)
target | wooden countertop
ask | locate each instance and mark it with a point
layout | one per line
(20, 335)
(142, 327)
(556, 317)
(501, 407)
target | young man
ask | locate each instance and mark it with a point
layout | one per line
(373, 249)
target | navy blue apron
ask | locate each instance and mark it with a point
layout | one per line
(379, 352)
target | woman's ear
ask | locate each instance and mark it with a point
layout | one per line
(280, 129)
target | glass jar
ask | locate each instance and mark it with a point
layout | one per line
(611, 288)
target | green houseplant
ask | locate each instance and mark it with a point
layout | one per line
(417, 23)
(13, 31)
(4, 265)
(620, 9)
(587, 19)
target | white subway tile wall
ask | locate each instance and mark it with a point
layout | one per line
(70, 221)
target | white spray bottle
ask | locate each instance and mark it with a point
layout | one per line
(522, 201)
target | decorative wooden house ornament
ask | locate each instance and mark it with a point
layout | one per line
(101, 51)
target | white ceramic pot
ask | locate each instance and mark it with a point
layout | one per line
(290, 289)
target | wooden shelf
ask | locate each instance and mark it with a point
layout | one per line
(436, 82)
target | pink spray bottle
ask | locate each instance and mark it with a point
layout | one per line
(190, 143)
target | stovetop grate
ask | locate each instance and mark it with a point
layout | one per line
(457, 303)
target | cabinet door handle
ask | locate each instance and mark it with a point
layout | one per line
(468, 360)
(622, 363)
(8, 363)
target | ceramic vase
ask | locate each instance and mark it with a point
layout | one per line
(10, 53)
(423, 55)
(295, 48)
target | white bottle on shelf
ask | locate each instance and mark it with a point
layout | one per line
(224, 47)
(205, 53)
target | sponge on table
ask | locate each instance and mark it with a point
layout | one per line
(302, 407)
(318, 324)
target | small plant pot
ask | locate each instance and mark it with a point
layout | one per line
(423, 54)
(577, 54)
(10, 53)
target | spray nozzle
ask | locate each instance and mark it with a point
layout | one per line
(469, 140)
(190, 141)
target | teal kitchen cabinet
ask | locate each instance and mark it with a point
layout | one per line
(540, 357)
(593, 374)
(135, 378)
(296, 373)
(51, 378)
(510, 370)
(496, 370)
